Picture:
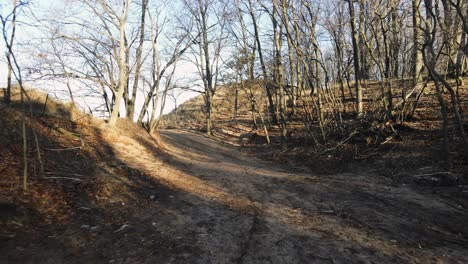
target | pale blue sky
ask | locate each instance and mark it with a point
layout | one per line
(26, 32)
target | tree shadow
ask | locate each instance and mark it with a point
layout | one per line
(399, 212)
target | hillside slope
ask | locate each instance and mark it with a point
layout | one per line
(191, 114)
(69, 213)
(350, 143)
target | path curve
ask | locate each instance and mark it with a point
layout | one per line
(226, 206)
(284, 217)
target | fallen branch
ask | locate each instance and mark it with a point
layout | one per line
(63, 178)
(65, 173)
(62, 130)
(387, 140)
(434, 173)
(65, 149)
(342, 142)
(121, 228)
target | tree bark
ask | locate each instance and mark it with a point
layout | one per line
(271, 104)
(7, 92)
(131, 100)
(356, 58)
(123, 74)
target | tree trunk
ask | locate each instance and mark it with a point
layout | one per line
(356, 58)
(123, 74)
(279, 75)
(7, 92)
(208, 77)
(271, 104)
(131, 100)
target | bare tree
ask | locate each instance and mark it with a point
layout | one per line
(356, 57)
(159, 67)
(121, 21)
(268, 88)
(130, 102)
(207, 16)
(431, 56)
(9, 41)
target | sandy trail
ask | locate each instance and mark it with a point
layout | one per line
(192, 199)
(233, 208)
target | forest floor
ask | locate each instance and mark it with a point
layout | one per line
(186, 198)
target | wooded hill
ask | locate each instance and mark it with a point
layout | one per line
(414, 143)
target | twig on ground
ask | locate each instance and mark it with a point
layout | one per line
(121, 228)
(64, 178)
(65, 149)
(342, 142)
(64, 173)
(434, 173)
(390, 138)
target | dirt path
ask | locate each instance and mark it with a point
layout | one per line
(233, 208)
(195, 200)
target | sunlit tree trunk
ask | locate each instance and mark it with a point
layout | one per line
(123, 74)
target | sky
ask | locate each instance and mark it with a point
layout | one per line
(57, 88)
